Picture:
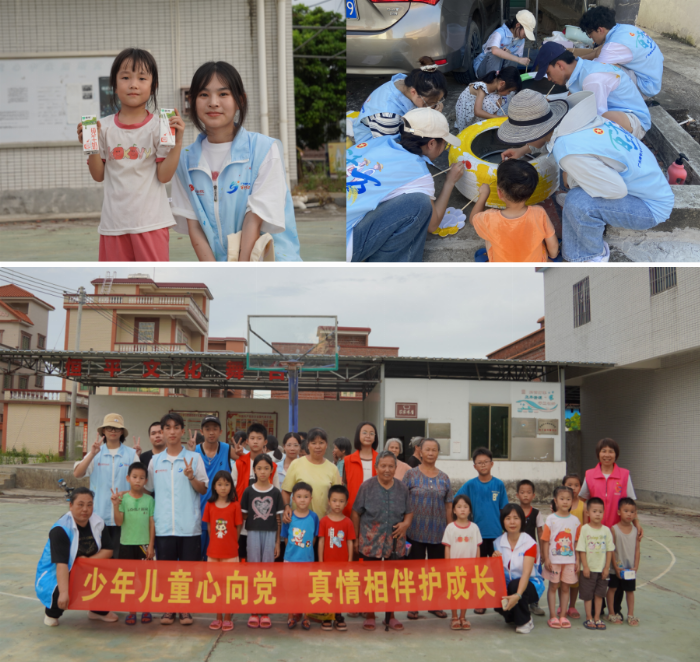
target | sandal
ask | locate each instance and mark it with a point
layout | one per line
(186, 619)
(369, 624)
(439, 613)
(306, 623)
(393, 624)
(589, 625)
(456, 624)
(615, 619)
(167, 618)
(327, 625)
(554, 623)
(480, 611)
(466, 625)
(341, 626)
(215, 625)
(565, 622)
(265, 622)
(291, 622)
(572, 613)
(633, 621)
(254, 621)
(413, 615)
(227, 626)
(146, 617)
(130, 619)
(599, 625)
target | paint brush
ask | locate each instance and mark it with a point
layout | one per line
(528, 57)
(472, 200)
(546, 96)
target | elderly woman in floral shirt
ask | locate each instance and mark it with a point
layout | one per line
(381, 515)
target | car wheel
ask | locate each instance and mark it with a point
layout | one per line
(473, 48)
(476, 140)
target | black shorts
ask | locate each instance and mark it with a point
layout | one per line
(133, 552)
(627, 585)
(486, 547)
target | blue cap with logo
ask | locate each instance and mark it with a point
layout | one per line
(549, 51)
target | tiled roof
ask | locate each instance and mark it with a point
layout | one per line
(17, 313)
(15, 292)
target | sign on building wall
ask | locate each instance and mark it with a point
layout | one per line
(535, 400)
(236, 420)
(406, 410)
(193, 420)
(547, 426)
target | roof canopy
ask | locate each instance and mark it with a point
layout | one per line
(223, 370)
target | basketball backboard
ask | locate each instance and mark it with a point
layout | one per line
(277, 342)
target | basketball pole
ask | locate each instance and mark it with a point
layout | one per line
(293, 369)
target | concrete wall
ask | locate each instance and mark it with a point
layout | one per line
(627, 324)
(676, 17)
(652, 415)
(447, 401)
(337, 417)
(180, 35)
(34, 427)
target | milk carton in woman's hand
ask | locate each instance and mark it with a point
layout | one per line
(167, 133)
(90, 141)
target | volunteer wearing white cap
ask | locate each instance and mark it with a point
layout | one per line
(391, 203)
(505, 46)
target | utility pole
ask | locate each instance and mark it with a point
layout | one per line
(70, 451)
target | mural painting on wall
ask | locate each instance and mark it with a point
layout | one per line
(237, 420)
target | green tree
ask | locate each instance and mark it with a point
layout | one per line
(574, 422)
(319, 84)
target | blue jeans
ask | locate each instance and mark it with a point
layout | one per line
(395, 231)
(585, 218)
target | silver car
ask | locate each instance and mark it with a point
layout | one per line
(386, 37)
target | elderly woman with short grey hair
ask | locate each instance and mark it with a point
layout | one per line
(396, 447)
(431, 502)
(381, 515)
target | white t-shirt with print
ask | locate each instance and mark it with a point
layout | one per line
(267, 197)
(463, 541)
(134, 200)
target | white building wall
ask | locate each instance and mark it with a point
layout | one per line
(627, 324)
(653, 416)
(180, 34)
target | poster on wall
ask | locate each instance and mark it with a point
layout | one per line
(240, 420)
(193, 420)
(536, 400)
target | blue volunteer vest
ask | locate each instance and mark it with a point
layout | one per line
(109, 473)
(46, 580)
(643, 176)
(625, 98)
(375, 169)
(177, 511)
(385, 99)
(507, 44)
(647, 58)
(220, 462)
(220, 206)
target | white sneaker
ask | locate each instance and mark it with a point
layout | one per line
(111, 617)
(561, 198)
(526, 629)
(51, 622)
(602, 258)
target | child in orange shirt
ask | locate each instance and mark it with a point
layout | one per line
(517, 233)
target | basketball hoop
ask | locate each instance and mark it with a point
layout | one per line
(291, 366)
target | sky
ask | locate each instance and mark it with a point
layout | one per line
(425, 311)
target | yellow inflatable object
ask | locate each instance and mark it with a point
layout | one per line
(350, 115)
(483, 172)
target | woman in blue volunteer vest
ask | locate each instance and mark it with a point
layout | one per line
(617, 97)
(614, 178)
(626, 45)
(505, 46)
(390, 191)
(381, 113)
(231, 180)
(107, 464)
(80, 532)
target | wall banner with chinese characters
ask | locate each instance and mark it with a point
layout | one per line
(171, 586)
(240, 420)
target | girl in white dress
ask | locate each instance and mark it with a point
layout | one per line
(488, 97)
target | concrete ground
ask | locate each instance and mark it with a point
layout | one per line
(680, 90)
(667, 605)
(321, 236)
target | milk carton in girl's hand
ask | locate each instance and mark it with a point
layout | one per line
(167, 133)
(90, 140)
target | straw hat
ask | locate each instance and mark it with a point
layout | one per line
(530, 117)
(113, 421)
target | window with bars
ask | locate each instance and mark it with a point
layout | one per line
(7, 381)
(39, 381)
(661, 279)
(26, 341)
(23, 382)
(582, 303)
(41, 341)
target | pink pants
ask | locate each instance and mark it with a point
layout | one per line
(145, 247)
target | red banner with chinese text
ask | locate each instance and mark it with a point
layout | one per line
(199, 587)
